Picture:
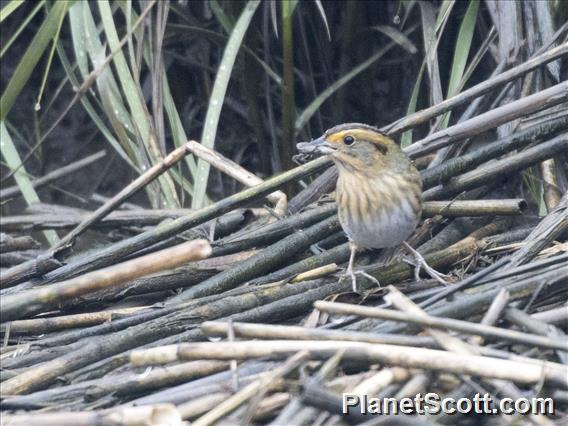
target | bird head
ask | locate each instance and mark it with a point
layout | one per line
(357, 147)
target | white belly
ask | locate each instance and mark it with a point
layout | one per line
(381, 230)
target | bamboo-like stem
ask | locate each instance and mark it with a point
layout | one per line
(551, 193)
(475, 91)
(520, 372)
(265, 304)
(119, 250)
(140, 182)
(551, 227)
(338, 254)
(382, 379)
(474, 208)
(325, 183)
(9, 244)
(441, 323)
(537, 102)
(492, 314)
(260, 263)
(271, 232)
(446, 340)
(146, 414)
(237, 172)
(55, 174)
(518, 287)
(28, 269)
(201, 405)
(490, 151)
(51, 324)
(250, 390)
(29, 222)
(452, 343)
(490, 171)
(457, 208)
(33, 301)
(522, 319)
(553, 316)
(269, 331)
(128, 383)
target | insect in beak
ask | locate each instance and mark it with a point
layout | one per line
(316, 146)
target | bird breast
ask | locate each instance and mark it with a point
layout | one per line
(378, 213)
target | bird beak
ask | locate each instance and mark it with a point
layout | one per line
(316, 146)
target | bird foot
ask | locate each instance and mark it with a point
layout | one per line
(353, 275)
(420, 263)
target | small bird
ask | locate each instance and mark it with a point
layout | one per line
(379, 190)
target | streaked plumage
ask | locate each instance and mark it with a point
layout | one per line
(379, 191)
(377, 212)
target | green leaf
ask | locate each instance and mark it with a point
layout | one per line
(443, 13)
(463, 47)
(86, 44)
(131, 91)
(9, 8)
(48, 65)
(288, 102)
(323, 17)
(13, 160)
(23, 26)
(406, 138)
(289, 9)
(135, 100)
(178, 134)
(461, 53)
(218, 97)
(33, 54)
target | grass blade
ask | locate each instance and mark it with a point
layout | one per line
(218, 97)
(9, 8)
(461, 53)
(48, 65)
(23, 25)
(287, 88)
(323, 17)
(31, 57)
(463, 47)
(13, 160)
(406, 138)
(130, 90)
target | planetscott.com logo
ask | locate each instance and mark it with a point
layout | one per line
(431, 403)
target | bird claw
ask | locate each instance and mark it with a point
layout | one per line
(420, 263)
(353, 275)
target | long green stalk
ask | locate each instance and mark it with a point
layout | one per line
(218, 98)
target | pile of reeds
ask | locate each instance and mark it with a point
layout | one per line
(234, 315)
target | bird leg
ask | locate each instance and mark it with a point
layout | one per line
(353, 274)
(419, 263)
(350, 267)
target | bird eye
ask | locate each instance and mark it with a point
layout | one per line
(348, 140)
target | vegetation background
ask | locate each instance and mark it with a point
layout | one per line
(249, 79)
(135, 79)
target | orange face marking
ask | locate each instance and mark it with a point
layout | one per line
(359, 134)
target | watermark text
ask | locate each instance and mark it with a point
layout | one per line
(432, 403)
